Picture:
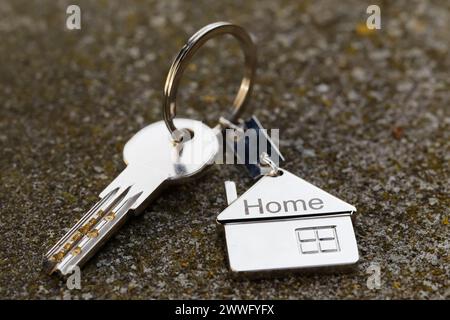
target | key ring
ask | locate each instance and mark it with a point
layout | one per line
(187, 52)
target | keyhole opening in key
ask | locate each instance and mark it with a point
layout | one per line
(182, 135)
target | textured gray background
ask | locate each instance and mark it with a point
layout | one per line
(364, 115)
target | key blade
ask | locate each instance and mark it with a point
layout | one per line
(89, 245)
(100, 204)
(91, 231)
(126, 195)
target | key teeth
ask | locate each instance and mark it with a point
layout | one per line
(64, 246)
(83, 219)
(119, 216)
(116, 203)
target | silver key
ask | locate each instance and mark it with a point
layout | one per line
(153, 161)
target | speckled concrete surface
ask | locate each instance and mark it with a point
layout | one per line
(364, 115)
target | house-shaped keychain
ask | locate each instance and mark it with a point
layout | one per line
(284, 222)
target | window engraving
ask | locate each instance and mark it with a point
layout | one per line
(317, 240)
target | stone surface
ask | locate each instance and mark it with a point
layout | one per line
(363, 114)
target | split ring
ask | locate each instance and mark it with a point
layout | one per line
(187, 52)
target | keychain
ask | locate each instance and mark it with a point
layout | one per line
(162, 154)
(282, 222)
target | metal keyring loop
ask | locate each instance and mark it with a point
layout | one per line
(187, 52)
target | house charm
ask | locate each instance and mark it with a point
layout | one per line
(283, 222)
